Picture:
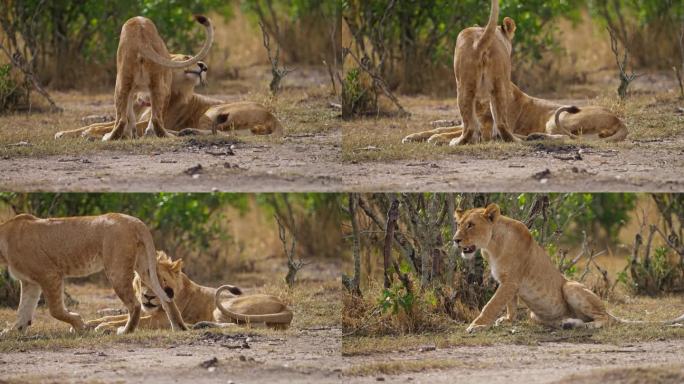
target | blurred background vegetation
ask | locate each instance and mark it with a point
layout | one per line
(222, 237)
(617, 244)
(410, 44)
(72, 44)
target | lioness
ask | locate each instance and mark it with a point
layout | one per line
(191, 113)
(533, 118)
(482, 65)
(523, 269)
(198, 304)
(42, 252)
(143, 64)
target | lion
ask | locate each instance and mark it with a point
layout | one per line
(482, 65)
(200, 305)
(40, 253)
(524, 270)
(190, 113)
(532, 118)
(144, 64)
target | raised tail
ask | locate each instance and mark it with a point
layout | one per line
(490, 29)
(556, 119)
(163, 61)
(151, 254)
(282, 317)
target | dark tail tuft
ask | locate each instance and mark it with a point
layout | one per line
(235, 290)
(573, 109)
(202, 20)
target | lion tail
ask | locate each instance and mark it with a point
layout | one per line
(158, 59)
(490, 29)
(679, 320)
(282, 317)
(556, 118)
(151, 254)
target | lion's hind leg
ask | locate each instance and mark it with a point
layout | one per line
(589, 310)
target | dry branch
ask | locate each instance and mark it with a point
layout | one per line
(625, 79)
(277, 72)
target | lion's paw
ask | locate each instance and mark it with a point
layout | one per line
(474, 328)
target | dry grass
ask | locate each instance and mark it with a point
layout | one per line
(301, 110)
(314, 305)
(523, 332)
(648, 117)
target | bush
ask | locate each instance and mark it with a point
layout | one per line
(358, 96)
(12, 94)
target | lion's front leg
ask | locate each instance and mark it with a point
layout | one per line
(113, 323)
(426, 135)
(511, 312)
(504, 294)
(106, 319)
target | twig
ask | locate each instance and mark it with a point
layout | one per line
(277, 72)
(625, 79)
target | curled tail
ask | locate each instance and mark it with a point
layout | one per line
(282, 317)
(151, 254)
(556, 119)
(490, 29)
(163, 61)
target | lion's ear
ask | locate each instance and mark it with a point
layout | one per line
(177, 265)
(459, 213)
(161, 255)
(492, 212)
(509, 27)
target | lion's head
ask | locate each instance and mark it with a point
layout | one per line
(475, 229)
(190, 76)
(170, 279)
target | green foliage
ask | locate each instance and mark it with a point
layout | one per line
(11, 93)
(396, 298)
(357, 98)
(413, 36)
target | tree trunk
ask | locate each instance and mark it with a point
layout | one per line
(392, 216)
(353, 284)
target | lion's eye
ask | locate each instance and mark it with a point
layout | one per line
(470, 225)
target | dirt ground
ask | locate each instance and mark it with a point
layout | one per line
(547, 362)
(307, 352)
(650, 160)
(301, 161)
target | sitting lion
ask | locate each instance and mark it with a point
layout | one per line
(532, 118)
(200, 305)
(190, 113)
(524, 270)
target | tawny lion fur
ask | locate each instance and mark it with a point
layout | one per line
(191, 113)
(143, 63)
(200, 305)
(533, 118)
(40, 253)
(482, 65)
(525, 271)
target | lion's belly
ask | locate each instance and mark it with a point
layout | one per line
(84, 267)
(546, 301)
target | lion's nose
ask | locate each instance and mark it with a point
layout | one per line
(203, 67)
(148, 297)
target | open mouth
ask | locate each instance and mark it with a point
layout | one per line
(469, 249)
(149, 305)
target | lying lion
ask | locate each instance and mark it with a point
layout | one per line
(200, 305)
(42, 252)
(191, 113)
(524, 270)
(532, 118)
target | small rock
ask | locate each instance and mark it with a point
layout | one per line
(192, 171)
(213, 362)
(545, 174)
(242, 358)
(380, 378)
